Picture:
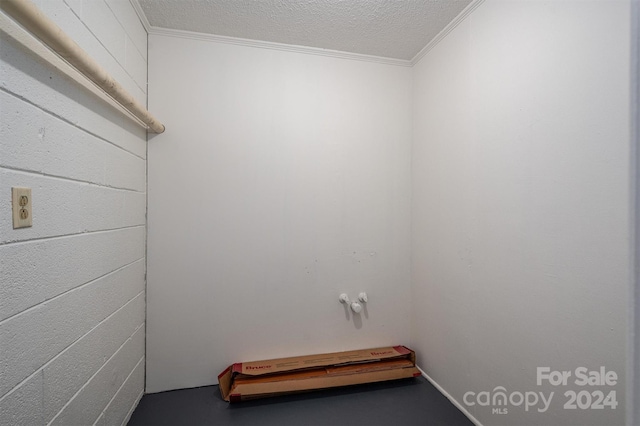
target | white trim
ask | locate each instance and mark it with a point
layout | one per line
(446, 30)
(276, 46)
(305, 49)
(141, 15)
(450, 398)
(133, 408)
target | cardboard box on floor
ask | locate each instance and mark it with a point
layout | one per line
(258, 379)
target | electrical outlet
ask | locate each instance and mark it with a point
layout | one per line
(21, 201)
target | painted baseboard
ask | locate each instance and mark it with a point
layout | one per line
(450, 398)
(134, 406)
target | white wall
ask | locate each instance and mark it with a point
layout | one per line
(633, 352)
(282, 180)
(72, 297)
(521, 203)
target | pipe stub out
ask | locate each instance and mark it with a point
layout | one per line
(356, 307)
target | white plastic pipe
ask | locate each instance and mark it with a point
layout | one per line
(33, 20)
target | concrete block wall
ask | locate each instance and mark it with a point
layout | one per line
(72, 297)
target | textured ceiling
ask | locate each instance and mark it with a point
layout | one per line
(389, 28)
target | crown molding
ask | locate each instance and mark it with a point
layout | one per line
(151, 30)
(141, 15)
(277, 46)
(446, 30)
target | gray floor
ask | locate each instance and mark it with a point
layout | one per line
(401, 402)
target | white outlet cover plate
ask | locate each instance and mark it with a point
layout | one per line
(22, 207)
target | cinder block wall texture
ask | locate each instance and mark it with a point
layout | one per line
(72, 299)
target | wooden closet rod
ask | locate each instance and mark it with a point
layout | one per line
(44, 29)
